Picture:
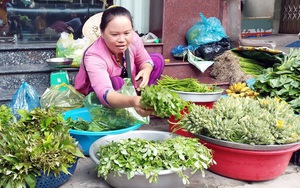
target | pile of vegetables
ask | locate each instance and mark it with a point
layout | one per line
(104, 118)
(136, 155)
(282, 80)
(265, 121)
(228, 69)
(186, 85)
(163, 101)
(38, 142)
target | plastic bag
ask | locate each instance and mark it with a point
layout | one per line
(66, 46)
(198, 62)
(62, 97)
(205, 31)
(114, 118)
(26, 97)
(180, 51)
(211, 50)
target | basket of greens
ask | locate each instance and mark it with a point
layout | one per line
(149, 158)
(37, 150)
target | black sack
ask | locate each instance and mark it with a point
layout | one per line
(210, 50)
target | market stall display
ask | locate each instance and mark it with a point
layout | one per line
(191, 91)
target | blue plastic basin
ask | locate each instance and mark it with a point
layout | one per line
(87, 138)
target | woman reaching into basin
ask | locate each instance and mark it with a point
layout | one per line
(103, 67)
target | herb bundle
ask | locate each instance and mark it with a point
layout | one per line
(136, 155)
(38, 142)
(164, 102)
(265, 121)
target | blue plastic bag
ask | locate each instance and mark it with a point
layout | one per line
(180, 51)
(205, 31)
(26, 97)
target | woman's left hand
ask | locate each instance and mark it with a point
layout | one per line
(144, 75)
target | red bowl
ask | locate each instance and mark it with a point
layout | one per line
(173, 121)
(249, 165)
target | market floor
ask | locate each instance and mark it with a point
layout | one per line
(86, 175)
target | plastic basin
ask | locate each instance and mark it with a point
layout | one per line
(166, 178)
(86, 138)
(173, 121)
(249, 165)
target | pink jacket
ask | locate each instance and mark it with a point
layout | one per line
(101, 66)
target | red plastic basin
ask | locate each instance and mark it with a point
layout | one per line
(173, 121)
(249, 165)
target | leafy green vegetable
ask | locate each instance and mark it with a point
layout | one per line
(82, 125)
(164, 102)
(39, 141)
(245, 120)
(114, 118)
(6, 116)
(149, 157)
(282, 80)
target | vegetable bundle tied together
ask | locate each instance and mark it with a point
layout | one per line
(136, 155)
(245, 120)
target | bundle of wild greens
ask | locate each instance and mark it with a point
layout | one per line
(136, 155)
(186, 85)
(38, 142)
(104, 118)
(282, 80)
(6, 116)
(82, 125)
(265, 121)
(163, 101)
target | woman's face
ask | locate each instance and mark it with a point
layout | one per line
(118, 34)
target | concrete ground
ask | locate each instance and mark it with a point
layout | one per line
(86, 175)
(278, 41)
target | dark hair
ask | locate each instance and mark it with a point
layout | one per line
(111, 13)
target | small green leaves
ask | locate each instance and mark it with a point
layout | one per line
(164, 102)
(136, 155)
(39, 141)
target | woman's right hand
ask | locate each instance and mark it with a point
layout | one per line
(139, 109)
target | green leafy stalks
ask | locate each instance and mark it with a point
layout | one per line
(163, 101)
(135, 155)
(265, 121)
(186, 85)
(105, 118)
(39, 141)
(282, 80)
(6, 116)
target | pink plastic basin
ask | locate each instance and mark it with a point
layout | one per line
(249, 165)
